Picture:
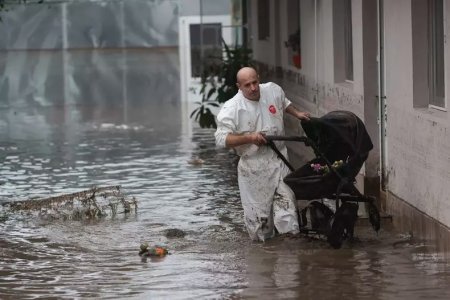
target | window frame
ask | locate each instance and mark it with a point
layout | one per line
(437, 51)
(348, 42)
(263, 19)
(343, 42)
(290, 27)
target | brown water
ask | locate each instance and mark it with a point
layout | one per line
(144, 145)
(215, 260)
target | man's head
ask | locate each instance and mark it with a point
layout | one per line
(248, 83)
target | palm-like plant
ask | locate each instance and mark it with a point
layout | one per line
(219, 83)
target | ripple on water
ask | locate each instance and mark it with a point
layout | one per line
(213, 259)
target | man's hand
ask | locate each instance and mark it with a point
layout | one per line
(234, 140)
(258, 139)
(303, 115)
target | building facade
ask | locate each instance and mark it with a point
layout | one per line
(386, 61)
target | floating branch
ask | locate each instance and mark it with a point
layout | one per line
(96, 202)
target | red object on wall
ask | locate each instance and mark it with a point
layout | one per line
(297, 60)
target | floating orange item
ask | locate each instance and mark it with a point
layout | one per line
(153, 251)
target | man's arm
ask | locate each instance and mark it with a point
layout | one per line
(301, 115)
(233, 140)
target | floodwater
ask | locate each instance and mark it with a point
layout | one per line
(147, 150)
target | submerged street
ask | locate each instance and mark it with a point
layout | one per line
(181, 181)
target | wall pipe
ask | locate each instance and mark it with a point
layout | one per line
(382, 98)
(315, 43)
(315, 88)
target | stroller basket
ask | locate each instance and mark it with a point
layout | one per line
(308, 185)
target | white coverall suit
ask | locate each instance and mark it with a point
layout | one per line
(266, 199)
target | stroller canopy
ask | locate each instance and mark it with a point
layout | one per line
(340, 135)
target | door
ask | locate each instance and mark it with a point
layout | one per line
(200, 43)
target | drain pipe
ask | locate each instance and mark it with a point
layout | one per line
(315, 89)
(124, 64)
(382, 97)
(315, 41)
(65, 46)
(202, 54)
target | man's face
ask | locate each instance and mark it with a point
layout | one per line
(249, 85)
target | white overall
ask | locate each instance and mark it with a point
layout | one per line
(267, 201)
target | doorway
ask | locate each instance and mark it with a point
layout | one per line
(200, 41)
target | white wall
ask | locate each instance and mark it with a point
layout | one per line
(313, 87)
(418, 138)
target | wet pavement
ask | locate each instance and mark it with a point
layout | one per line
(181, 181)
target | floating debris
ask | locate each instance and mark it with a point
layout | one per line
(3, 217)
(159, 251)
(175, 233)
(96, 202)
(196, 161)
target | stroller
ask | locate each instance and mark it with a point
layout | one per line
(341, 145)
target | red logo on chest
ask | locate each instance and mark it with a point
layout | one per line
(272, 109)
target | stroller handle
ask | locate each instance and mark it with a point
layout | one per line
(270, 142)
(302, 139)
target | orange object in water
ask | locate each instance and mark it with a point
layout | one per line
(160, 251)
(153, 251)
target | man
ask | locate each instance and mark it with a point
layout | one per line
(242, 123)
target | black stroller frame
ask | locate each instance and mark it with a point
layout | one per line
(336, 136)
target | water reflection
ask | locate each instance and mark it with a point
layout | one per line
(215, 259)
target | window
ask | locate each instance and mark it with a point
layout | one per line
(206, 46)
(428, 53)
(343, 40)
(348, 38)
(436, 53)
(263, 19)
(293, 41)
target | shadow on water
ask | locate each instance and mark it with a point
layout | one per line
(181, 181)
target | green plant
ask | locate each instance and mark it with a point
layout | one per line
(218, 83)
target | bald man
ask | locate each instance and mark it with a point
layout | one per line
(243, 121)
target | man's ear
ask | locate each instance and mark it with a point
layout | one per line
(238, 85)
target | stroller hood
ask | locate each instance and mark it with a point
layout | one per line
(339, 135)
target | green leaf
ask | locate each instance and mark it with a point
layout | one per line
(211, 91)
(194, 111)
(214, 104)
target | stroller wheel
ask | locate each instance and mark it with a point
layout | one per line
(343, 224)
(337, 234)
(374, 216)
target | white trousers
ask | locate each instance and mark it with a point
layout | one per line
(268, 202)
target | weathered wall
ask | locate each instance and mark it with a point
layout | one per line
(418, 138)
(418, 143)
(313, 87)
